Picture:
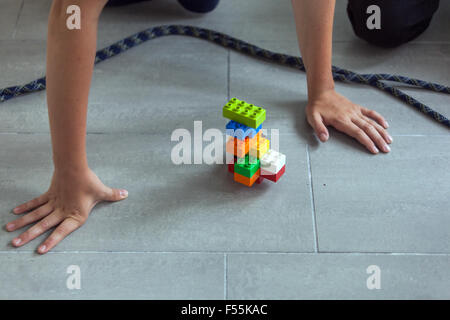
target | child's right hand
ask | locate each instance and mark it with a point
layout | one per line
(67, 205)
(366, 126)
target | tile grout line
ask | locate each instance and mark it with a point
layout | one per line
(227, 253)
(225, 276)
(228, 74)
(17, 20)
(313, 204)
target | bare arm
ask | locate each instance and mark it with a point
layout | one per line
(70, 61)
(314, 25)
(75, 189)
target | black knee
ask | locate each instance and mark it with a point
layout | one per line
(116, 3)
(199, 6)
(400, 20)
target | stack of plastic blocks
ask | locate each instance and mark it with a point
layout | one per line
(254, 161)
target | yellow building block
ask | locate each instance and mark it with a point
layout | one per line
(259, 147)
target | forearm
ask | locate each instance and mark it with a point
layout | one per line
(314, 25)
(70, 60)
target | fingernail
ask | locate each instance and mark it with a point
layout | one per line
(386, 124)
(390, 138)
(386, 148)
(123, 193)
(322, 137)
(42, 249)
(10, 226)
(375, 150)
(16, 210)
(17, 241)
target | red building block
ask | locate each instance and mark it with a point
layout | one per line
(273, 177)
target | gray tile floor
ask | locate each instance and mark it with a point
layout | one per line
(189, 231)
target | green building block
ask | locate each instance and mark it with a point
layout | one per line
(247, 169)
(245, 113)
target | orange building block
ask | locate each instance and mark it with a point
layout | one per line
(255, 141)
(241, 147)
(237, 147)
(245, 180)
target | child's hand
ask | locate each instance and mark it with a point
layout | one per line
(366, 126)
(67, 204)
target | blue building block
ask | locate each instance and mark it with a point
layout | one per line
(241, 131)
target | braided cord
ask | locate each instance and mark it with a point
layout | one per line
(339, 74)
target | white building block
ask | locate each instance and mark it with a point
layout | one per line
(272, 162)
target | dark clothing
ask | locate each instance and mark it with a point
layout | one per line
(199, 6)
(401, 20)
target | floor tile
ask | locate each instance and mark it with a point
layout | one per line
(408, 60)
(8, 17)
(125, 275)
(130, 79)
(396, 202)
(437, 31)
(183, 227)
(32, 23)
(170, 208)
(342, 28)
(158, 87)
(323, 276)
(403, 119)
(247, 20)
(25, 114)
(230, 16)
(158, 90)
(24, 61)
(283, 91)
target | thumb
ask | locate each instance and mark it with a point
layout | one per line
(116, 195)
(320, 129)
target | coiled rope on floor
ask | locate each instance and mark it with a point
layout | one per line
(339, 74)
